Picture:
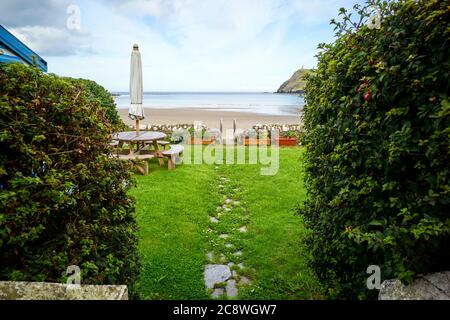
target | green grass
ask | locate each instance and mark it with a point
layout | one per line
(173, 211)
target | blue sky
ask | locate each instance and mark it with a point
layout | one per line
(186, 45)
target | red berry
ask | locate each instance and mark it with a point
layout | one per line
(367, 96)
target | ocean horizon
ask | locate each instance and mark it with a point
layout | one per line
(252, 102)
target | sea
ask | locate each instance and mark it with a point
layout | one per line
(261, 103)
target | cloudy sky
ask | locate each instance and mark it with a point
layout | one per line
(186, 45)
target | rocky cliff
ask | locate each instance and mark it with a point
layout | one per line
(296, 83)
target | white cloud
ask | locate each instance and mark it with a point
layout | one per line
(52, 41)
(20, 13)
(188, 44)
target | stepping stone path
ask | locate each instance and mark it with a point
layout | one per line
(216, 273)
(231, 289)
(222, 276)
(244, 281)
(210, 256)
(217, 293)
(243, 229)
(214, 220)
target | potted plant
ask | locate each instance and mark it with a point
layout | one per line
(206, 138)
(287, 138)
(259, 137)
(177, 136)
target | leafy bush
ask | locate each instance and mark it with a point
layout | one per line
(63, 201)
(256, 134)
(377, 136)
(98, 95)
(289, 134)
(177, 136)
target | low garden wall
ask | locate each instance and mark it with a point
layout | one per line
(22, 290)
(433, 286)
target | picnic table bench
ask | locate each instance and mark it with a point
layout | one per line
(132, 138)
(163, 143)
(173, 155)
(140, 161)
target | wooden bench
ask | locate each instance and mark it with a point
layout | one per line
(163, 143)
(172, 154)
(140, 161)
(114, 143)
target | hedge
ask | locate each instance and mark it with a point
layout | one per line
(97, 95)
(377, 120)
(63, 201)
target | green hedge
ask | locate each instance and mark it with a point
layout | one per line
(97, 95)
(377, 124)
(62, 200)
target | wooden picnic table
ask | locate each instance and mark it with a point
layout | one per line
(132, 138)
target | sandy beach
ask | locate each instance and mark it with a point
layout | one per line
(209, 117)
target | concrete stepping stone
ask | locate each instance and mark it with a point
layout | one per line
(216, 273)
(231, 288)
(244, 281)
(217, 293)
(238, 253)
(243, 229)
(213, 220)
(210, 256)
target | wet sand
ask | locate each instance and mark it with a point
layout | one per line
(209, 117)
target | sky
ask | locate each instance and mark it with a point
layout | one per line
(186, 45)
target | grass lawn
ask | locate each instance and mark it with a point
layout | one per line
(174, 210)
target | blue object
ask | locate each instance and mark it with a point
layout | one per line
(14, 50)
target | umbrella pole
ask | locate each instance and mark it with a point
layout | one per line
(137, 126)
